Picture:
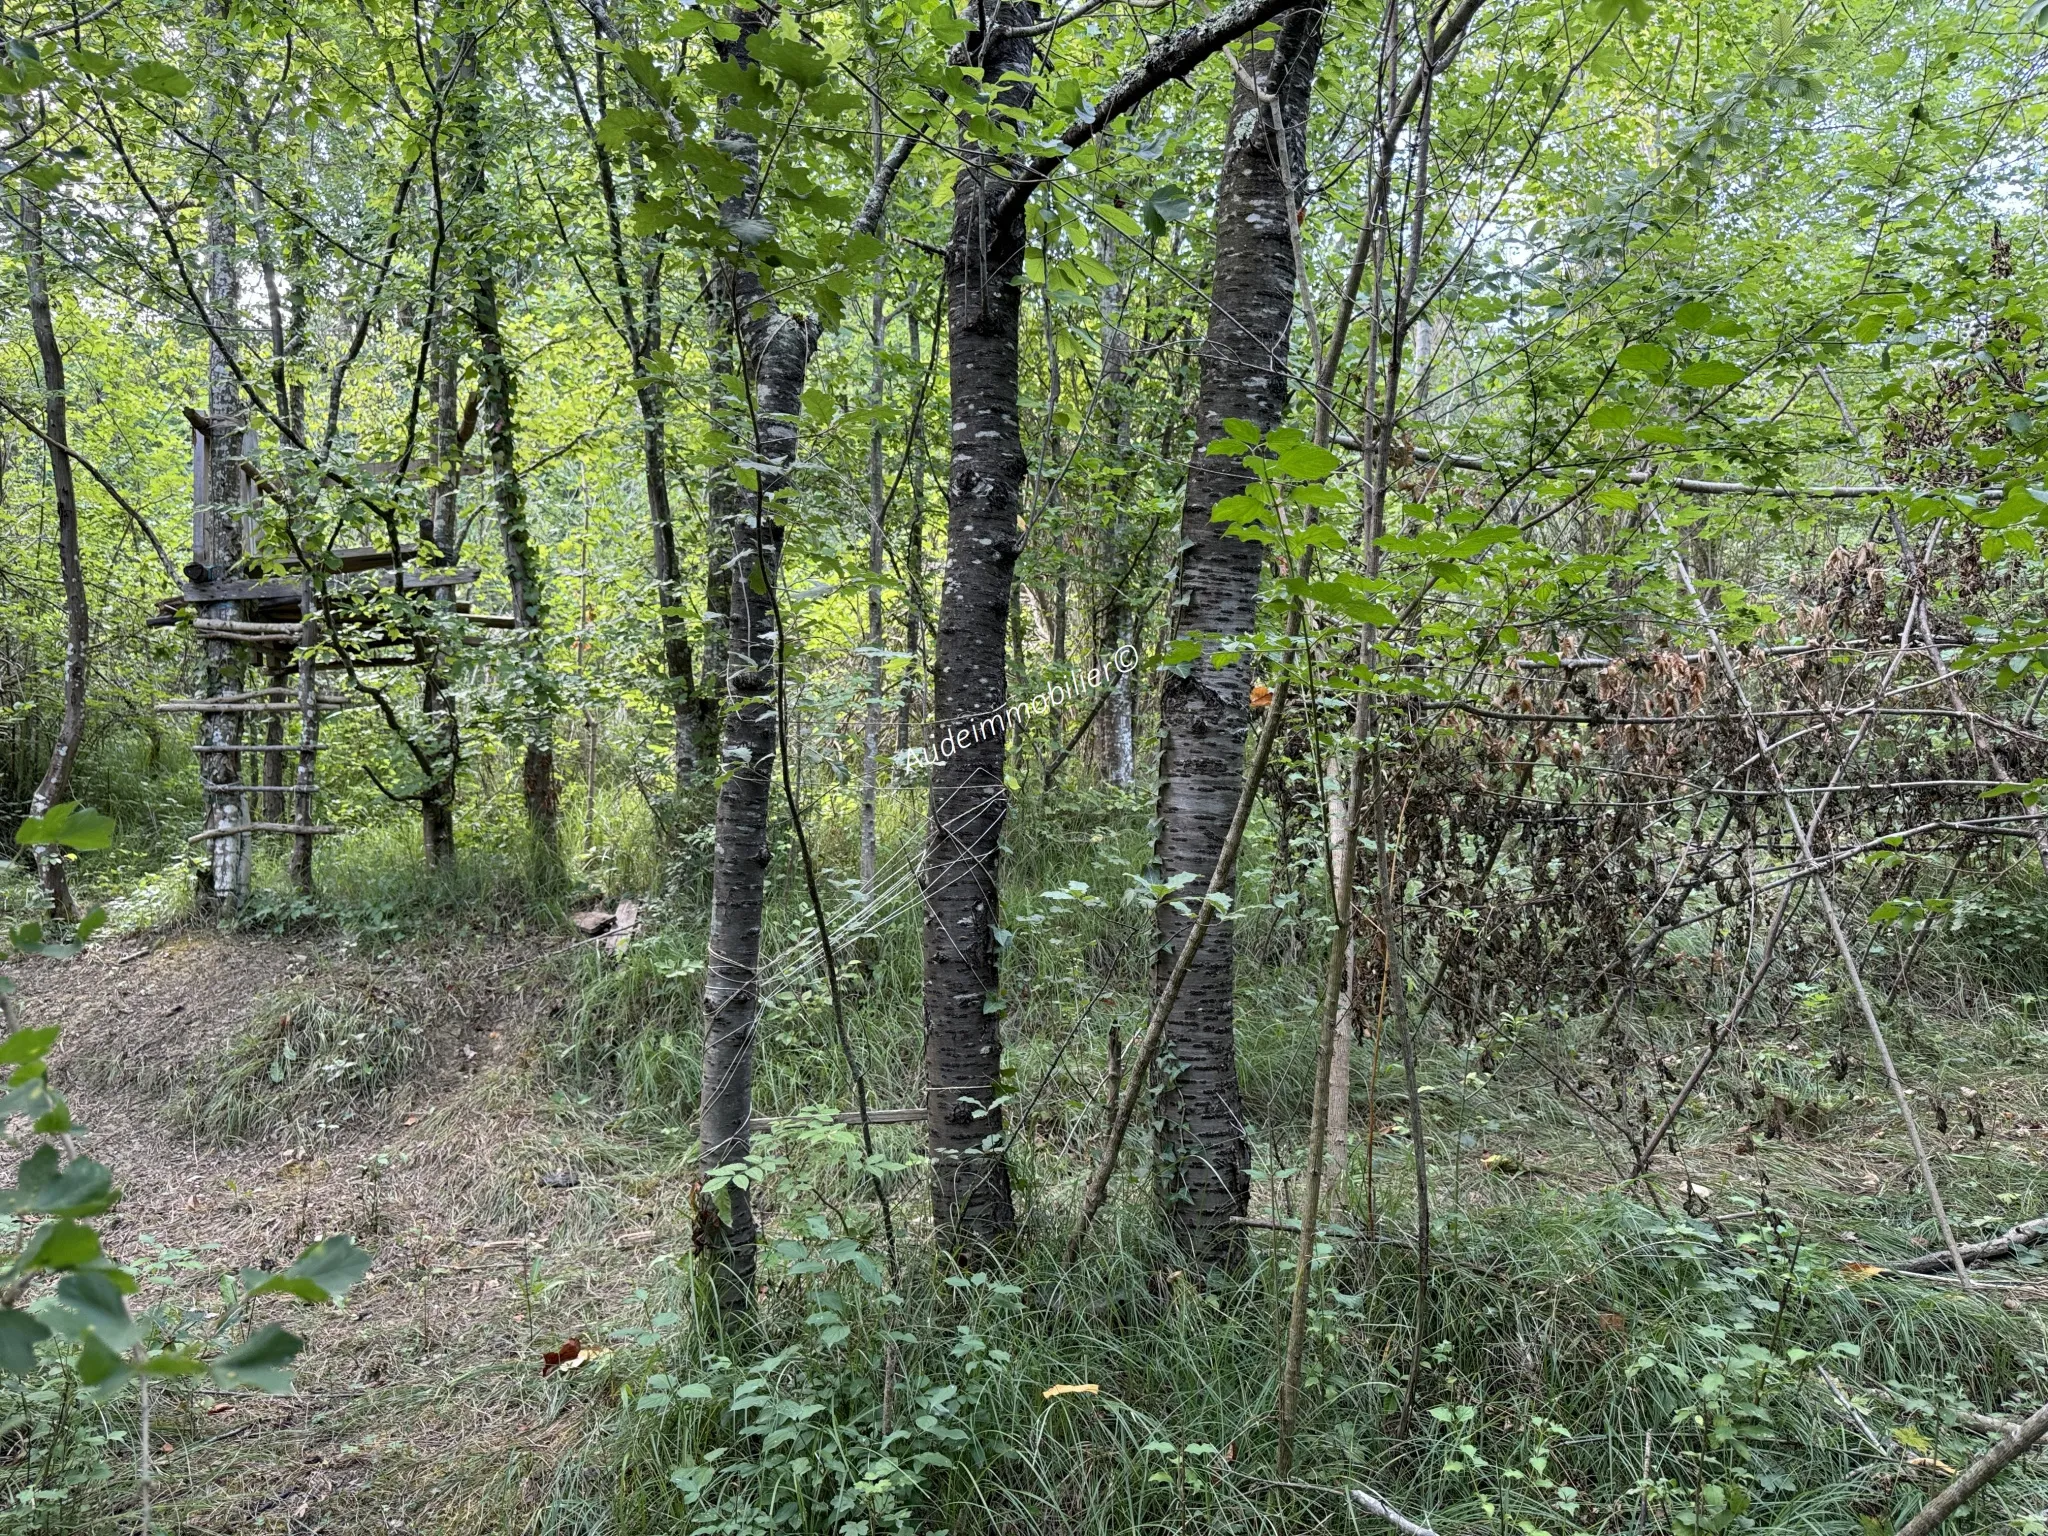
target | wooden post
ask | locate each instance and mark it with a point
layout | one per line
(309, 749)
(275, 664)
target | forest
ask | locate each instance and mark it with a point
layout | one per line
(1024, 766)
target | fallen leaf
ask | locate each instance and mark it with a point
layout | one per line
(557, 1359)
(1261, 695)
(1064, 1388)
(1613, 1322)
(1855, 1272)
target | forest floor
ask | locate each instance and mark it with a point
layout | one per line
(254, 1094)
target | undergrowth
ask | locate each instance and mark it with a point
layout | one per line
(309, 1064)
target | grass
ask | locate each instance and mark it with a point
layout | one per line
(309, 1064)
(1594, 1358)
(1598, 1355)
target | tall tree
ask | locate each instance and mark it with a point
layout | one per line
(55, 786)
(984, 261)
(497, 385)
(442, 746)
(1204, 711)
(970, 685)
(772, 351)
(637, 313)
(223, 880)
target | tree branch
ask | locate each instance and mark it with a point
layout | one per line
(1168, 59)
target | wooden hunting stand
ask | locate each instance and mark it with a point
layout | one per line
(251, 611)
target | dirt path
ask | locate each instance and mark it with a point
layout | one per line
(254, 1094)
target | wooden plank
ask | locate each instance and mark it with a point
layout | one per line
(415, 581)
(851, 1117)
(361, 557)
(242, 591)
(250, 628)
(281, 707)
(260, 746)
(264, 826)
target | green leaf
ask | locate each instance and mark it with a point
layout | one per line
(1610, 417)
(98, 65)
(1119, 221)
(1306, 461)
(60, 1245)
(806, 67)
(1710, 373)
(1171, 204)
(101, 1367)
(28, 1045)
(160, 78)
(19, 1336)
(81, 1188)
(1096, 272)
(1644, 357)
(68, 824)
(327, 1271)
(1341, 596)
(263, 1361)
(90, 1302)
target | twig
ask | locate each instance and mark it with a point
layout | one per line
(1978, 1473)
(2007, 1243)
(1828, 909)
(1373, 1504)
(1162, 1007)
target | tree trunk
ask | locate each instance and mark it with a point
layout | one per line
(1204, 1162)
(1116, 732)
(437, 702)
(56, 781)
(962, 1009)
(774, 352)
(871, 721)
(871, 726)
(223, 880)
(533, 687)
(913, 555)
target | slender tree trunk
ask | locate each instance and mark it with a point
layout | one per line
(695, 711)
(538, 789)
(276, 668)
(437, 701)
(913, 555)
(871, 722)
(56, 781)
(223, 880)
(533, 686)
(773, 351)
(962, 1008)
(1204, 1161)
(1119, 622)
